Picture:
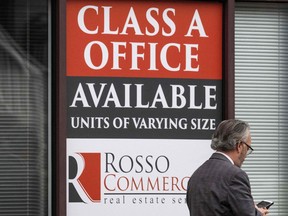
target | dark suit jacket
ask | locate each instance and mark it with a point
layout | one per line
(219, 188)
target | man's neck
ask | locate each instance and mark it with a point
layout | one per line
(226, 155)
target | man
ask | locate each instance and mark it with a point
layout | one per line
(219, 187)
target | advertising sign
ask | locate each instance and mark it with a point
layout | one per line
(144, 94)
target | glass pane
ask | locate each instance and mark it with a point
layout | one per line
(261, 78)
(23, 107)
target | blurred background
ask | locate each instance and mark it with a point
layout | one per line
(24, 107)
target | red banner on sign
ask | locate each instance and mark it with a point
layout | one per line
(144, 39)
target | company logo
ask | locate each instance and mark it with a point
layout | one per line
(84, 183)
(117, 178)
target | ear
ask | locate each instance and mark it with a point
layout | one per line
(239, 147)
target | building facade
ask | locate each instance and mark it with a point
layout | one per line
(255, 54)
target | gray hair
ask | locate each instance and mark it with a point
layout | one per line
(229, 133)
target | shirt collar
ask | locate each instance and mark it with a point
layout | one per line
(225, 156)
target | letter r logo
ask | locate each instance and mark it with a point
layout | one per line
(84, 183)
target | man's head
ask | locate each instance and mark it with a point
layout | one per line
(233, 138)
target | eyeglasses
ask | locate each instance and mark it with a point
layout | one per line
(250, 149)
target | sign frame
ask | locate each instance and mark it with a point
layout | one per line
(59, 93)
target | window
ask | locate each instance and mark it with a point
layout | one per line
(261, 96)
(24, 107)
